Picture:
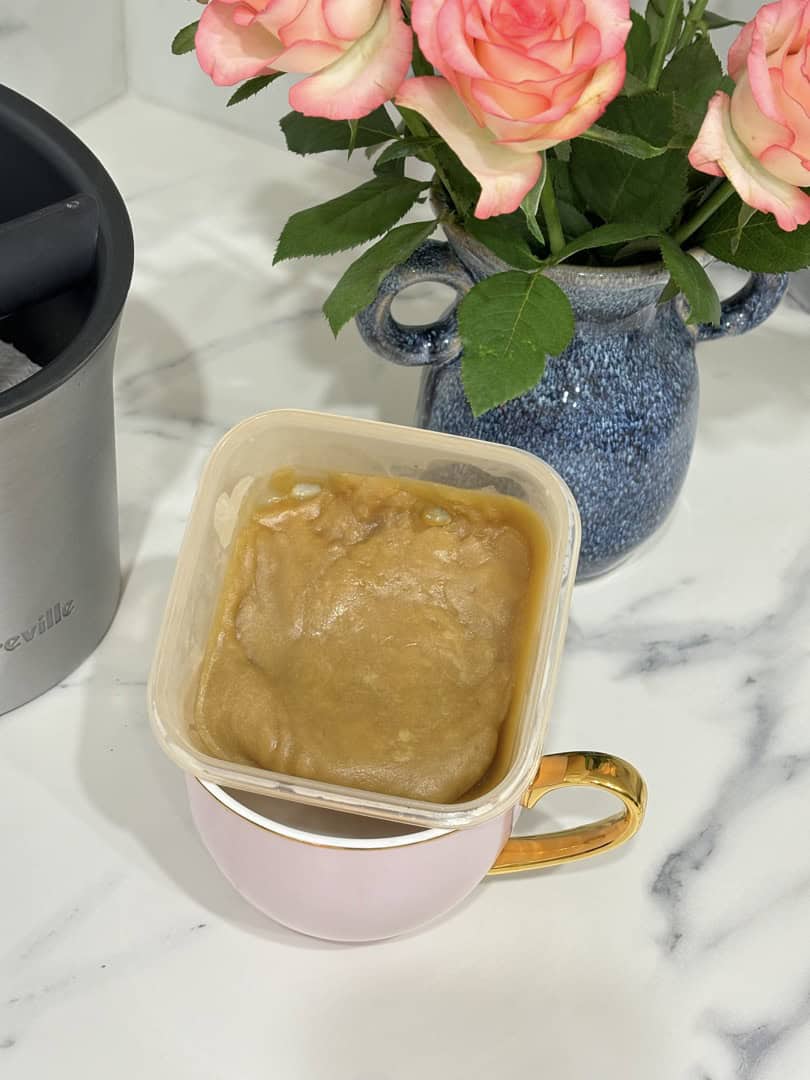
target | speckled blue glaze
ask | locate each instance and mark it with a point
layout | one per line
(615, 414)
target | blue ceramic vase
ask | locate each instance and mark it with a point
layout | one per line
(615, 414)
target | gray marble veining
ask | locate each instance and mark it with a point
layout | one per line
(683, 957)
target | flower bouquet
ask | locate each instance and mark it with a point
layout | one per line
(556, 130)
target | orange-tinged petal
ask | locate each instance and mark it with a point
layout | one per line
(786, 165)
(505, 176)
(307, 56)
(230, 53)
(278, 13)
(719, 150)
(456, 53)
(350, 19)
(424, 19)
(509, 65)
(368, 74)
(756, 130)
(308, 25)
(507, 102)
(591, 103)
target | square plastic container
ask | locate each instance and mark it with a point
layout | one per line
(314, 441)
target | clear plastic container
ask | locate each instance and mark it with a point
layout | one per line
(314, 441)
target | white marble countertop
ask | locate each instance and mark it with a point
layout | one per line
(685, 956)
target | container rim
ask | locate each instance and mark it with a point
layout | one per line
(315, 839)
(75, 162)
(529, 744)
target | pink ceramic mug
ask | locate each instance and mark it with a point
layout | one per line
(348, 878)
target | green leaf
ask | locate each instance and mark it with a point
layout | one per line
(560, 173)
(719, 22)
(745, 215)
(510, 324)
(358, 286)
(626, 144)
(314, 134)
(251, 87)
(639, 47)
(692, 76)
(349, 220)
(419, 62)
(462, 190)
(693, 281)
(531, 204)
(507, 236)
(406, 148)
(465, 187)
(184, 39)
(727, 85)
(573, 221)
(762, 248)
(354, 126)
(620, 188)
(604, 236)
(633, 85)
(671, 290)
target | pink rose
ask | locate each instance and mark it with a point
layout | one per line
(760, 136)
(356, 52)
(519, 76)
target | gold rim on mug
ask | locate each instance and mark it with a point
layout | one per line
(556, 771)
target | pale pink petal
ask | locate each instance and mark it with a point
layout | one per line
(757, 70)
(507, 64)
(771, 31)
(504, 175)
(308, 25)
(307, 56)
(738, 53)
(575, 14)
(231, 53)
(463, 87)
(244, 15)
(756, 130)
(278, 13)
(611, 18)
(366, 75)
(568, 92)
(257, 5)
(567, 96)
(557, 54)
(589, 49)
(474, 23)
(531, 22)
(350, 19)
(456, 53)
(786, 165)
(424, 20)
(606, 83)
(508, 102)
(795, 88)
(718, 147)
(603, 87)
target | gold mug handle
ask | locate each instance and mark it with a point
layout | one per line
(577, 770)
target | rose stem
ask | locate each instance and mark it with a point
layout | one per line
(691, 24)
(662, 45)
(704, 212)
(551, 215)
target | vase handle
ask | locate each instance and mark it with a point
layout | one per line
(747, 309)
(415, 346)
